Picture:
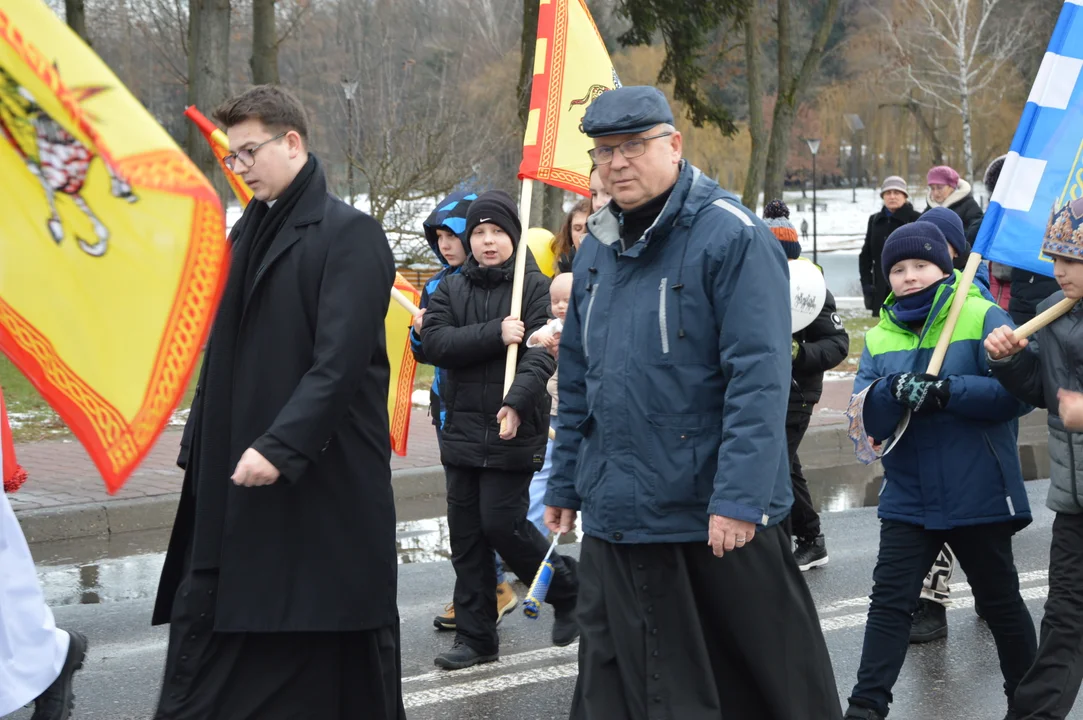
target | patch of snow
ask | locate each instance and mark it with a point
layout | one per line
(180, 417)
(420, 398)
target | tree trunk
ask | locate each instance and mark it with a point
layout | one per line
(75, 12)
(553, 213)
(789, 88)
(208, 79)
(264, 59)
(756, 129)
(527, 43)
(928, 131)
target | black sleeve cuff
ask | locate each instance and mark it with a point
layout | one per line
(290, 463)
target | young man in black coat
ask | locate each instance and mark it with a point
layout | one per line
(817, 348)
(897, 211)
(280, 578)
(466, 331)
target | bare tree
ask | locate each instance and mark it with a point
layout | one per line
(75, 12)
(208, 77)
(264, 60)
(950, 51)
(790, 86)
(757, 129)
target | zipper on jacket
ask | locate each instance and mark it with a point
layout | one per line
(1071, 467)
(1007, 495)
(586, 319)
(484, 383)
(662, 320)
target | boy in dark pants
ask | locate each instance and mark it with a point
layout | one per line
(1051, 377)
(953, 476)
(466, 331)
(816, 349)
(445, 230)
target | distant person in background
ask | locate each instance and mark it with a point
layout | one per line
(1000, 284)
(816, 349)
(896, 212)
(571, 233)
(599, 196)
(948, 190)
(804, 229)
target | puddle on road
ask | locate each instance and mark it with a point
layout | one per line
(127, 566)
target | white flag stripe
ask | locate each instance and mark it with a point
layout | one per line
(1056, 81)
(1023, 175)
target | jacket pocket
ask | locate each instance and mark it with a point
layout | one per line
(683, 459)
(663, 321)
(593, 293)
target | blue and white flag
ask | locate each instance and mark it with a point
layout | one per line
(1044, 169)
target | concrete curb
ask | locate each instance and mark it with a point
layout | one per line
(835, 477)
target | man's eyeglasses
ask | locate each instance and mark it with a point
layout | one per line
(248, 157)
(603, 154)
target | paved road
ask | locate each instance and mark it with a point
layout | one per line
(957, 678)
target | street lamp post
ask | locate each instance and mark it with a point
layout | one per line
(814, 147)
(349, 88)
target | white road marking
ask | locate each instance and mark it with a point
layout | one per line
(451, 693)
(505, 662)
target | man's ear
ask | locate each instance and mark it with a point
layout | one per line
(676, 145)
(294, 144)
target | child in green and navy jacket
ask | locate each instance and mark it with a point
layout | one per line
(954, 476)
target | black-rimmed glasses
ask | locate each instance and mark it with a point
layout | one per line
(603, 154)
(248, 156)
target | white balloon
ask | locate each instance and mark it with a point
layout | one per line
(808, 293)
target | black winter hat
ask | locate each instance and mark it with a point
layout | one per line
(917, 241)
(495, 207)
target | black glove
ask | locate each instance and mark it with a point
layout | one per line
(920, 393)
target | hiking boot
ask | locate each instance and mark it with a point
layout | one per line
(506, 600)
(57, 701)
(855, 712)
(447, 620)
(810, 553)
(462, 656)
(930, 622)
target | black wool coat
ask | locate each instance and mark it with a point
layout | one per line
(315, 551)
(874, 284)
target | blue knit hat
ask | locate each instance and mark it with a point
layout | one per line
(951, 225)
(917, 241)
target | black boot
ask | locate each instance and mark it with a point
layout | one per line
(930, 622)
(565, 624)
(57, 701)
(462, 656)
(856, 712)
(810, 553)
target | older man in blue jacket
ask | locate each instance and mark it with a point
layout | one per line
(674, 380)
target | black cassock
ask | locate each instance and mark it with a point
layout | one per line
(282, 599)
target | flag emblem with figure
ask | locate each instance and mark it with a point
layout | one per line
(112, 255)
(571, 69)
(1044, 169)
(396, 323)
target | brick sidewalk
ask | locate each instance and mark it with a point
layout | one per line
(61, 472)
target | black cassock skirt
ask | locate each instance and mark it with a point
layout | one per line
(670, 632)
(274, 676)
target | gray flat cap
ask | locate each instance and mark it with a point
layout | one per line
(626, 111)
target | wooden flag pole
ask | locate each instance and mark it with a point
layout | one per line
(401, 299)
(957, 302)
(1044, 318)
(521, 251)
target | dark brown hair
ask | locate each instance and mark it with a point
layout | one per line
(276, 107)
(562, 242)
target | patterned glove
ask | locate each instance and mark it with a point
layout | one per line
(921, 393)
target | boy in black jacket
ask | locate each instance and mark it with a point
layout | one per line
(466, 331)
(817, 348)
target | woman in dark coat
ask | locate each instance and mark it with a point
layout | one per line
(896, 212)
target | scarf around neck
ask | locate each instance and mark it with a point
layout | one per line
(916, 308)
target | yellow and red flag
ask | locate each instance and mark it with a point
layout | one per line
(220, 147)
(571, 68)
(112, 256)
(396, 323)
